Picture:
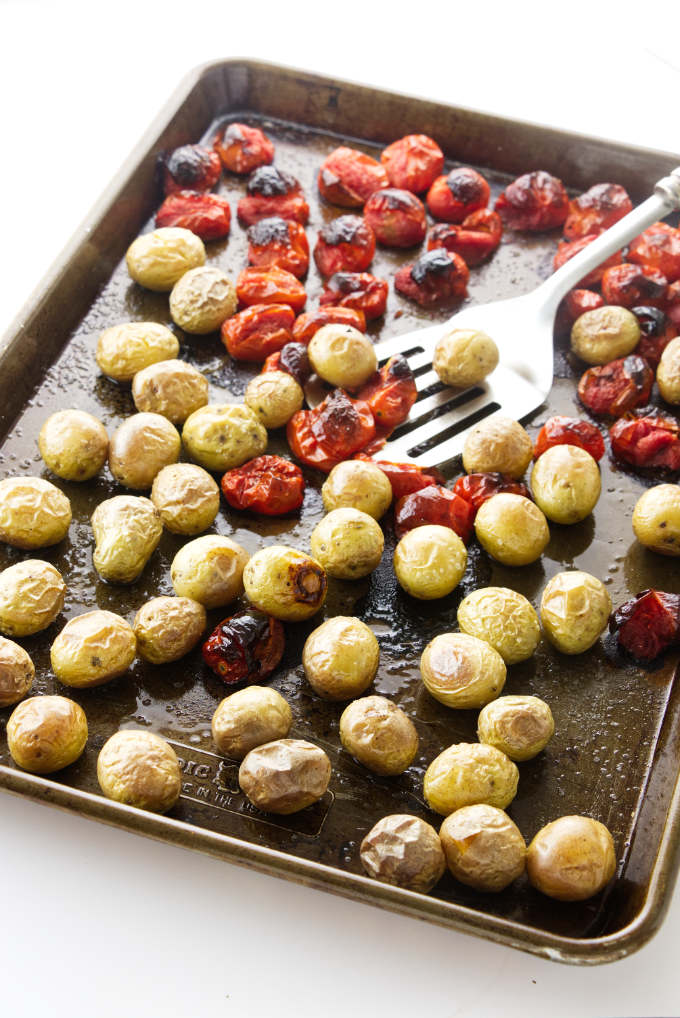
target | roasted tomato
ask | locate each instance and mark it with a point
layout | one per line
(596, 210)
(397, 217)
(671, 303)
(477, 488)
(294, 359)
(246, 647)
(276, 243)
(648, 624)
(575, 304)
(657, 331)
(615, 388)
(434, 504)
(535, 201)
(566, 249)
(560, 430)
(359, 291)
(206, 215)
(629, 285)
(242, 149)
(346, 244)
(390, 393)
(413, 162)
(311, 321)
(260, 330)
(453, 197)
(190, 168)
(332, 432)
(647, 438)
(405, 477)
(270, 286)
(475, 239)
(271, 192)
(436, 276)
(348, 177)
(269, 485)
(658, 248)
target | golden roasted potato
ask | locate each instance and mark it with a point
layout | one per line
(379, 735)
(285, 776)
(656, 519)
(483, 847)
(209, 570)
(46, 733)
(571, 859)
(565, 482)
(159, 259)
(503, 618)
(140, 448)
(33, 513)
(274, 397)
(498, 445)
(520, 726)
(511, 529)
(340, 658)
(348, 543)
(461, 671)
(16, 672)
(186, 497)
(429, 561)
(93, 648)
(248, 718)
(202, 299)
(222, 436)
(123, 350)
(342, 355)
(464, 357)
(139, 769)
(167, 628)
(127, 529)
(357, 484)
(31, 596)
(668, 373)
(173, 389)
(605, 333)
(74, 445)
(575, 609)
(285, 583)
(469, 773)
(404, 851)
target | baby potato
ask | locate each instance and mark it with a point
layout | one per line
(379, 735)
(469, 773)
(274, 397)
(565, 482)
(498, 445)
(656, 519)
(209, 570)
(224, 435)
(668, 373)
(186, 497)
(404, 851)
(173, 389)
(31, 596)
(357, 484)
(348, 543)
(285, 583)
(461, 671)
(571, 859)
(139, 769)
(16, 672)
(92, 649)
(340, 658)
(285, 776)
(127, 529)
(342, 355)
(140, 448)
(502, 617)
(167, 628)
(464, 357)
(248, 718)
(575, 609)
(202, 299)
(483, 847)
(429, 561)
(605, 333)
(33, 513)
(511, 529)
(46, 733)
(520, 726)
(123, 350)
(159, 259)
(74, 445)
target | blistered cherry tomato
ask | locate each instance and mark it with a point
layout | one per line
(276, 243)
(648, 624)
(246, 647)
(657, 330)
(405, 477)
(475, 239)
(413, 162)
(294, 359)
(535, 202)
(560, 430)
(359, 291)
(242, 149)
(436, 276)
(311, 321)
(332, 432)
(575, 304)
(260, 330)
(629, 285)
(348, 177)
(434, 504)
(269, 485)
(390, 393)
(647, 438)
(271, 192)
(596, 210)
(206, 215)
(477, 488)
(270, 286)
(566, 249)
(615, 388)
(397, 217)
(190, 168)
(671, 303)
(346, 244)
(658, 248)
(454, 196)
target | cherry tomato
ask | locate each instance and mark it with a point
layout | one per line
(246, 647)
(242, 148)
(260, 330)
(269, 485)
(397, 217)
(535, 202)
(477, 488)
(359, 291)
(566, 249)
(454, 196)
(658, 248)
(390, 393)
(345, 244)
(596, 210)
(647, 438)
(575, 304)
(332, 432)
(629, 285)
(292, 358)
(405, 477)
(271, 192)
(206, 215)
(560, 430)
(436, 276)
(657, 331)
(615, 388)
(434, 504)
(671, 303)
(270, 286)
(648, 624)
(475, 239)
(348, 177)
(413, 162)
(191, 168)
(276, 243)
(311, 321)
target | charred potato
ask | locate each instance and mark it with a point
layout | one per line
(483, 847)
(379, 735)
(340, 658)
(503, 618)
(429, 561)
(469, 773)
(342, 355)
(172, 388)
(668, 373)
(127, 529)
(92, 649)
(656, 519)
(167, 628)
(511, 529)
(520, 726)
(16, 672)
(285, 583)
(46, 733)
(461, 671)
(249, 718)
(285, 776)
(159, 259)
(140, 448)
(33, 513)
(202, 299)
(605, 333)
(223, 436)
(348, 543)
(357, 484)
(139, 769)
(186, 497)
(74, 445)
(498, 445)
(571, 859)
(209, 570)
(123, 350)
(464, 357)
(575, 609)
(565, 483)
(404, 851)
(274, 397)
(31, 596)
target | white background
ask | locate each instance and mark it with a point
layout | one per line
(96, 922)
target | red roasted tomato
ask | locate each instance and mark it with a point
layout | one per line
(535, 202)
(454, 196)
(294, 359)
(671, 303)
(276, 243)
(397, 217)
(477, 488)
(242, 149)
(206, 215)
(359, 291)
(566, 249)
(260, 330)
(332, 432)
(271, 192)
(575, 304)
(648, 624)
(413, 162)
(629, 285)
(405, 477)
(647, 438)
(596, 210)
(475, 239)
(348, 177)
(270, 286)
(346, 244)
(615, 388)
(657, 331)
(390, 393)
(269, 485)
(658, 248)
(190, 168)
(434, 504)
(246, 647)
(311, 321)
(560, 430)
(436, 276)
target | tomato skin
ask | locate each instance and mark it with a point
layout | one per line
(405, 478)
(397, 217)
(348, 177)
(276, 243)
(478, 488)
(657, 331)
(561, 430)
(292, 358)
(434, 504)
(575, 304)
(390, 393)
(533, 202)
(436, 276)
(647, 438)
(413, 162)
(206, 215)
(308, 323)
(190, 168)
(647, 624)
(332, 432)
(270, 286)
(242, 149)
(272, 192)
(475, 239)
(658, 247)
(359, 291)
(246, 647)
(628, 285)
(453, 197)
(269, 485)
(671, 303)
(346, 244)
(259, 330)
(566, 249)
(596, 210)
(615, 388)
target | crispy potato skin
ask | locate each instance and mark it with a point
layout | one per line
(340, 658)
(31, 596)
(285, 583)
(248, 718)
(571, 859)
(274, 397)
(139, 769)
(498, 445)
(140, 448)
(46, 733)
(404, 851)
(16, 672)
(202, 299)
(342, 355)
(464, 357)
(503, 618)
(566, 483)
(167, 628)
(172, 388)
(74, 445)
(222, 436)
(484, 848)
(605, 333)
(511, 529)
(33, 513)
(92, 649)
(127, 529)
(668, 373)
(285, 776)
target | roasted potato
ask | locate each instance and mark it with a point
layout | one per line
(46, 733)
(575, 609)
(33, 513)
(483, 847)
(605, 333)
(668, 373)
(520, 726)
(167, 628)
(565, 482)
(571, 859)
(498, 445)
(469, 773)
(285, 583)
(342, 355)
(285, 776)
(248, 718)
(404, 851)
(93, 648)
(274, 397)
(123, 350)
(223, 436)
(429, 561)
(202, 299)
(511, 529)
(503, 618)
(31, 596)
(16, 672)
(464, 357)
(187, 498)
(127, 529)
(340, 658)
(656, 519)
(172, 388)
(357, 484)
(74, 445)
(140, 448)
(379, 735)
(348, 543)
(159, 259)
(462, 671)
(139, 769)
(209, 570)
